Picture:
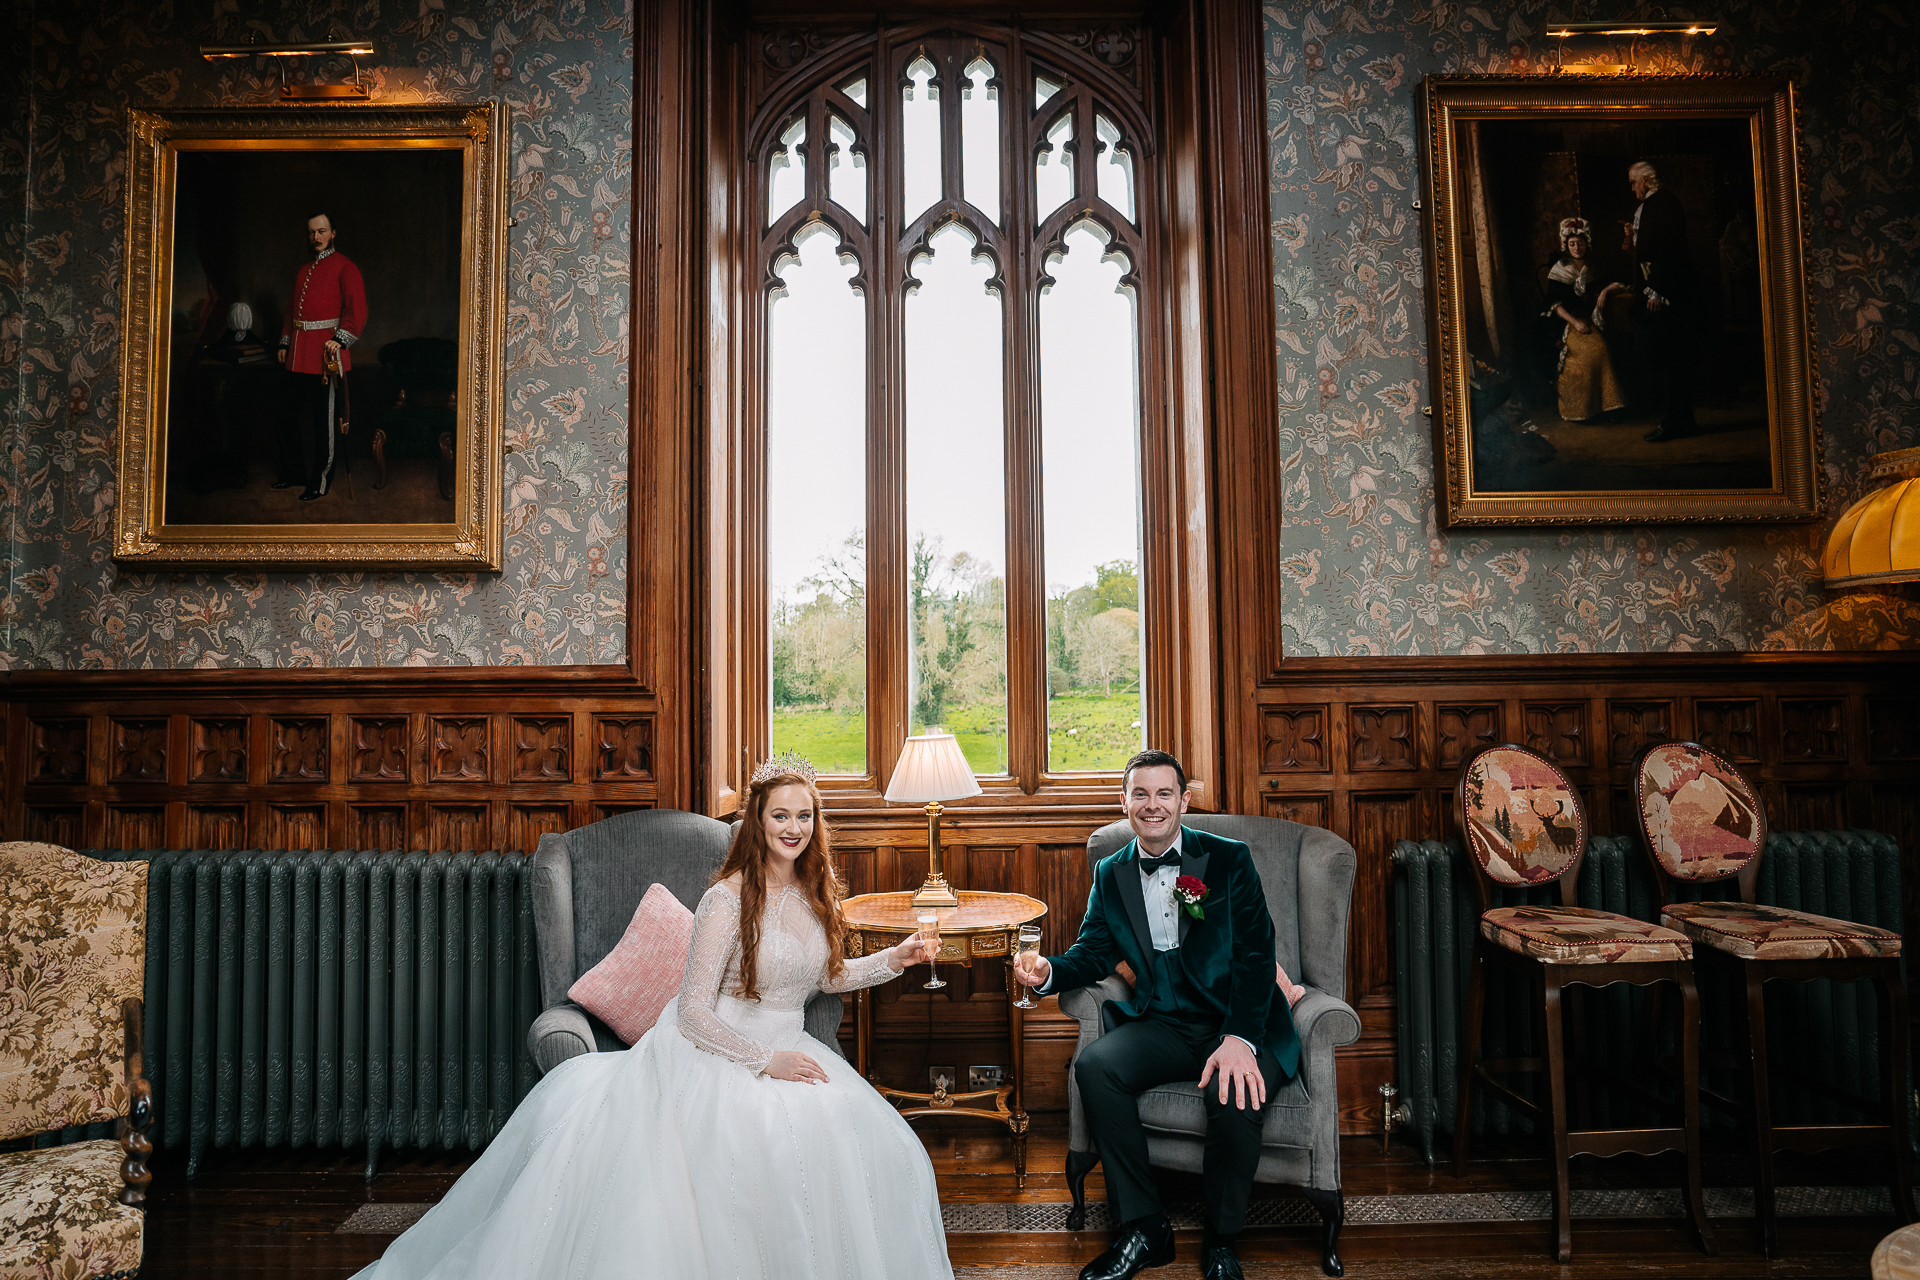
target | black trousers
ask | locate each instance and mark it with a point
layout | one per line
(1663, 341)
(1136, 1056)
(309, 438)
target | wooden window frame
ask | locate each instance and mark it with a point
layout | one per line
(1209, 417)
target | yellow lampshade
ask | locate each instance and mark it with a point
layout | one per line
(1878, 538)
(931, 769)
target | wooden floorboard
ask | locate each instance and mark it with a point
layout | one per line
(273, 1215)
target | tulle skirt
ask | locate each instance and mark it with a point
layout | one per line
(669, 1162)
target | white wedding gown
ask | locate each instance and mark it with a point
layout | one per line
(679, 1160)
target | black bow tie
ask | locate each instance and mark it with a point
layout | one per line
(1171, 858)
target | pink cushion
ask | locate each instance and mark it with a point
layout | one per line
(629, 988)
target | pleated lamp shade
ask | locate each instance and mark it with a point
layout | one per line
(1878, 538)
(931, 769)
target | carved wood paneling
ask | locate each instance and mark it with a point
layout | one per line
(57, 751)
(459, 748)
(1810, 806)
(458, 827)
(379, 751)
(542, 749)
(1729, 726)
(299, 749)
(1810, 729)
(380, 826)
(217, 751)
(623, 747)
(1383, 738)
(1634, 725)
(1558, 731)
(1463, 729)
(1309, 811)
(135, 827)
(526, 823)
(1378, 821)
(1295, 740)
(55, 824)
(139, 752)
(216, 826)
(1893, 729)
(296, 826)
(186, 764)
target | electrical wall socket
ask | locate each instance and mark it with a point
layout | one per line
(950, 1074)
(986, 1076)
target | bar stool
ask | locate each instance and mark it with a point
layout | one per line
(1523, 825)
(1701, 822)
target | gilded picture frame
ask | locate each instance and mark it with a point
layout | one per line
(386, 451)
(1568, 388)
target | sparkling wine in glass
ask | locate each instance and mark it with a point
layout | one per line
(930, 930)
(1029, 945)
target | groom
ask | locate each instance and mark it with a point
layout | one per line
(1204, 1007)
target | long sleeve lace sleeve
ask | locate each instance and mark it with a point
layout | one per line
(716, 940)
(867, 971)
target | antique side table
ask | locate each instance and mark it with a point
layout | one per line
(985, 925)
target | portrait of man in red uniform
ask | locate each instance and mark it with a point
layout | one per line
(327, 316)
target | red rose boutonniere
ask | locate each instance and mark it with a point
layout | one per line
(1190, 892)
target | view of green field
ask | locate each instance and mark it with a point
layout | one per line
(958, 639)
(1084, 733)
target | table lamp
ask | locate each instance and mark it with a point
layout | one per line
(931, 769)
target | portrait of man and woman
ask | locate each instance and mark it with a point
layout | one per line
(1613, 306)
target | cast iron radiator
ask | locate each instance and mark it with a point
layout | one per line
(1824, 1030)
(299, 999)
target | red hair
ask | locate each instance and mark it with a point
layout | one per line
(813, 871)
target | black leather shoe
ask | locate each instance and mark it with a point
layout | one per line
(1131, 1254)
(311, 495)
(1220, 1264)
(285, 484)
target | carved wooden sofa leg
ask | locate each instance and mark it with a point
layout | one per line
(1079, 1165)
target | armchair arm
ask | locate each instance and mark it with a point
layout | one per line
(134, 1174)
(1323, 1014)
(822, 1019)
(1084, 1003)
(559, 1033)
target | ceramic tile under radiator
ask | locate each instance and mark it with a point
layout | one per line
(299, 999)
(1820, 1029)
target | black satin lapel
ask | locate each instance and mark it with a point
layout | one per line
(1126, 878)
(1193, 862)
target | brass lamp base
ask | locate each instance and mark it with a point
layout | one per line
(934, 892)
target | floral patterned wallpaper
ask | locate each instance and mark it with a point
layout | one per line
(1368, 569)
(563, 67)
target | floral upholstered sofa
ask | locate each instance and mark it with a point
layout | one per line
(72, 964)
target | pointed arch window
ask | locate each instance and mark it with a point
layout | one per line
(958, 315)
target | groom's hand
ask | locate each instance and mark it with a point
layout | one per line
(1031, 969)
(1239, 1070)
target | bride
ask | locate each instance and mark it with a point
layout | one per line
(727, 1142)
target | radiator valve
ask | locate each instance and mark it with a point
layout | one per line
(1391, 1115)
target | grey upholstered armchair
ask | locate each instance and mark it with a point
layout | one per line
(586, 886)
(1308, 876)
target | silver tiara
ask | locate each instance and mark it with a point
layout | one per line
(786, 764)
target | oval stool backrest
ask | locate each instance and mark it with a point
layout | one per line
(1521, 818)
(1701, 818)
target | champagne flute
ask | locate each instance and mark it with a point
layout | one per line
(929, 929)
(1029, 945)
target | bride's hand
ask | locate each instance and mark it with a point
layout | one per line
(915, 950)
(788, 1065)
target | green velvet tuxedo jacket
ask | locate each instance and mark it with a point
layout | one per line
(1227, 956)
